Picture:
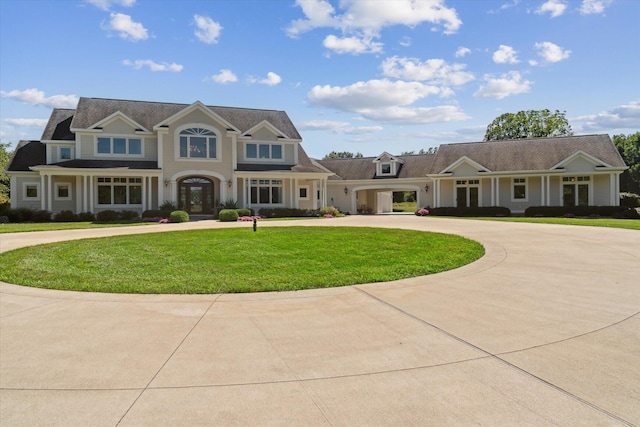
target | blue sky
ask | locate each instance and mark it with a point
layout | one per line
(353, 75)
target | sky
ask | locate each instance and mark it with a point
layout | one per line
(353, 75)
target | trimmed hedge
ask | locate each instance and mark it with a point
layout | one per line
(630, 200)
(108, 216)
(557, 211)
(244, 212)
(179, 216)
(466, 212)
(286, 212)
(228, 215)
(66, 216)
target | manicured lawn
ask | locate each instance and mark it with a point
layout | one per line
(632, 224)
(237, 260)
(49, 226)
(405, 207)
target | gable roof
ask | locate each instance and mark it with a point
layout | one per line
(414, 166)
(59, 125)
(27, 154)
(528, 154)
(148, 114)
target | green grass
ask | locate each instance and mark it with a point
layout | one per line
(405, 207)
(50, 226)
(237, 260)
(631, 224)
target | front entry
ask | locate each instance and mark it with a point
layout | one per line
(196, 195)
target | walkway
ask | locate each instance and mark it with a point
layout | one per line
(543, 330)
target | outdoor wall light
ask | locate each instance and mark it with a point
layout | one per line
(229, 183)
(346, 190)
(426, 188)
(166, 182)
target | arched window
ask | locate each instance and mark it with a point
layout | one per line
(197, 143)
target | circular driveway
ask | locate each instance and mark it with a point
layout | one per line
(543, 330)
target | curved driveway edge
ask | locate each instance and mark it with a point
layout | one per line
(543, 330)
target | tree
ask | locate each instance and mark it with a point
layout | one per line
(528, 124)
(342, 155)
(5, 155)
(629, 148)
(430, 150)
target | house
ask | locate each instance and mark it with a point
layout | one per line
(135, 155)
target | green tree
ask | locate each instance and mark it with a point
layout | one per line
(528, 124)
(629, 148)
(430, 150)
(5, 155)
(342, 155)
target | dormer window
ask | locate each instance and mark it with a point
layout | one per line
(385, 169)
(387, 165)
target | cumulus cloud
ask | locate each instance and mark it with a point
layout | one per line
(272, 79)
(33, 123)
(436, 71)
(342, 128)
(362, 21)
(590, 7)
(126, 28)
(106, 4)
(505, 55)
(415, 115)
(554, 7)
(224, 76)
(503, 86)
(625, 116)
(551, 52)
(462, 51)
(208, 30)
(34, 96)
(354, 45)
(153, 66)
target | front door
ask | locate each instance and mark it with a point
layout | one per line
(196, 195)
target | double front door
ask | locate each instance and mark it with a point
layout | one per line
(196, 195)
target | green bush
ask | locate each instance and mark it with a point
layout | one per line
(41, 216)
(128, 215)
(179, 216)
(244, 212)
(65, 216)
(4, 207)
(330, 210)
(630, 200)
(286, 212)
(108, 216)
(558, 211)
(168, 207)
(228, 215)
(86, 217)
(486, 211)
(155, 213)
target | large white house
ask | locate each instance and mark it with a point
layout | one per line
(135, 155)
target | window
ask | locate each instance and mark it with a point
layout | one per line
(303, 193)
(63, 191)
(467, 193)
(266, 191)
(264, 151)
(385, 169)
(119, 191)
(64, 153)
(198, 143)
(119, 146)
(519, 189)
(31, 191)
(575, 190)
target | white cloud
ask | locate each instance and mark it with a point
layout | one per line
(553, 7)
(319, 13)
(505, 54)
(153, 66)
(271, 80)
(506, 85)
(34, 96)
(417, 115)
(208, 30)
(437, 71)
(33, 123)
(625, 116)
(224, 76)
(106, 4)
(126, 27)
(462, 51)
(354, 45)
(594, 6)
(551, 52)
(342, 128)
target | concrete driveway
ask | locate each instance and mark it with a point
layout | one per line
(543, 330)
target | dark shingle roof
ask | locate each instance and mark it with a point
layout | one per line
(528, 154)
(104, 164)
(58, 126)
(305, 164)
(26, 154)
(414, 166)
(148, 114)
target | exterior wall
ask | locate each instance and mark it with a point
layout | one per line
(447, 197)
(58, 204)
(21, 202)
(465, 170)
(601, 190)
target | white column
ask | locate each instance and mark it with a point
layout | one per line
(91, 197)
(542, 181)
(612, 189)
(244, 192)
(50, 193)
(150, 193)
(144, 193)
(498, 191)
(437, 194)
(296, 193)
(78, 193)
(85, 189)
(43, 192)
(617, 195)
(548, 191)
(493, 191)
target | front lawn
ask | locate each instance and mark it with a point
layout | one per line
(237, 260)
(631, 224)
(50, 226)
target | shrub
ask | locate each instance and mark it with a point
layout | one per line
(154, 213)
(330, 212)
(26, 214)
(627, 213)
(86, 217)
(128, 215)
(168, 207)
(628, 200)
(65, 216)
(558, 211)
(422, 212)
(4, 207)
(179, 216)
(286, 212)
(228, 215)
(108, 216)
(486, 211)
(229, 204)
(41, 216)
(244, 212)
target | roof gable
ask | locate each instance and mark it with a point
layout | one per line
(581, 155)
(464, 160)
(386, 157)
(265, 125)
(118, 115)
(196, 106)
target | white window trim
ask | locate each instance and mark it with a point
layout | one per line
(468, 184)
(24, 191)
(56, 189)
(71, 157)
(588, 182)
(308, 192)
(176, 144)
(526, 189)
(111, 153)
(271, 186)
(113, 184)
(258, 158)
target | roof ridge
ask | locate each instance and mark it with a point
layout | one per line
(179, 104)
